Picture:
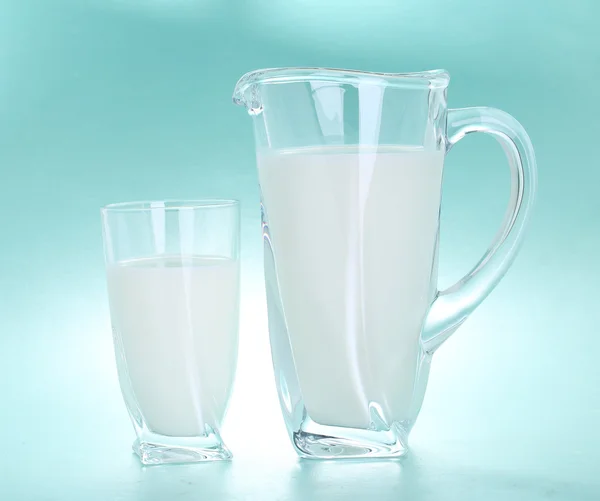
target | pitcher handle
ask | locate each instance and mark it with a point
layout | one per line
(452, 306)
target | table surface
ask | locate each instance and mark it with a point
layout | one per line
(513, 432)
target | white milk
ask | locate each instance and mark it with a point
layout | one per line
(177, 320)
(354, 238)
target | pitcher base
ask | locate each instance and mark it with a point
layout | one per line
(345, 446)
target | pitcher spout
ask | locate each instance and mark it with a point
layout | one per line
(246, 92)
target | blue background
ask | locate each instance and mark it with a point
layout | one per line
(113, 100)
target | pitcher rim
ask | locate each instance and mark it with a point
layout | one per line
(432, 79)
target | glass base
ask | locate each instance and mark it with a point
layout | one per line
(156, 454)
(316, 441)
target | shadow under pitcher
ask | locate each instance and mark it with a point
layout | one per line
(350, 167)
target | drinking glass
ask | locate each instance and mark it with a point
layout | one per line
(173, 286)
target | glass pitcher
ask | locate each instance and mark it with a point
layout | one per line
(350, 167)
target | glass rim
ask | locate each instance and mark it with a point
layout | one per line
(171, 205)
